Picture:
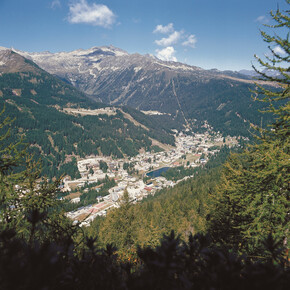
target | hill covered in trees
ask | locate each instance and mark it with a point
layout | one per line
(43, 249)
(241, 210)
(189, 94)
(38, 102)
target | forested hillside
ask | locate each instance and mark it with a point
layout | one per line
(241, 205)
(183, 209)
(37, 100)
(225, 104)
(188, 93)
(226, 228)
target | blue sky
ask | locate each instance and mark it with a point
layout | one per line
(221, 34)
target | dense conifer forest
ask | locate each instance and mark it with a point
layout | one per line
(226, 228)
(36, 100)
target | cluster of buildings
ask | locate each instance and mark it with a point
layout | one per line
(86, 214)
(190, 150)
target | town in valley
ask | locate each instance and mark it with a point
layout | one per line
(136, 174)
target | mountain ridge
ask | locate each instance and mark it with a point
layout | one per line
(190, 94)
(38, 101)
(114, 51)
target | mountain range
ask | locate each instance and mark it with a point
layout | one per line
(187, 93)
(58, 101)
(59, 122)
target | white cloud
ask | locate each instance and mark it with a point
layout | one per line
(262, 19)
(55, 4)
(191, 41)
(164, 29)
(279, 50)
(174, 37)
(166, 54)
(94, 14)
(171, 39)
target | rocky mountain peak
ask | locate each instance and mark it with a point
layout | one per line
(11, 62)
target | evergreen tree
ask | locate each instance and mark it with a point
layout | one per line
(253, 197)
(40, 250)
(28, 206)
(10, 156)
(119, 227)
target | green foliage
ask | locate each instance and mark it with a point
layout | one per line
(253, 196)
(203, 95)
(183, 208)
(158, 129)
(25, 198)
(88, 194)
(103, 166)
(126, 165)
(177, 173)
(216, 160)
(53, 135)
(91, 196)
(41, 249)
(197, 264)
(156, 148)
(69, 168)
(120, 227)
(194, 264)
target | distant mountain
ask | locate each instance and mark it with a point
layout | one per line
(236, 74)
(92, 70)
(249, 73)
(59, 122)
(253, 74)
(11, 62)
(189, 94)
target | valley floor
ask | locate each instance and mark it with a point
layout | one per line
(130, 174)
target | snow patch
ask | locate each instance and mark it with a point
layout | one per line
(154, 113)
(137, 68)
(97, 66)
(115, 51)
(114, 68)
(92, 73)
(120, 53)
(178, 67)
